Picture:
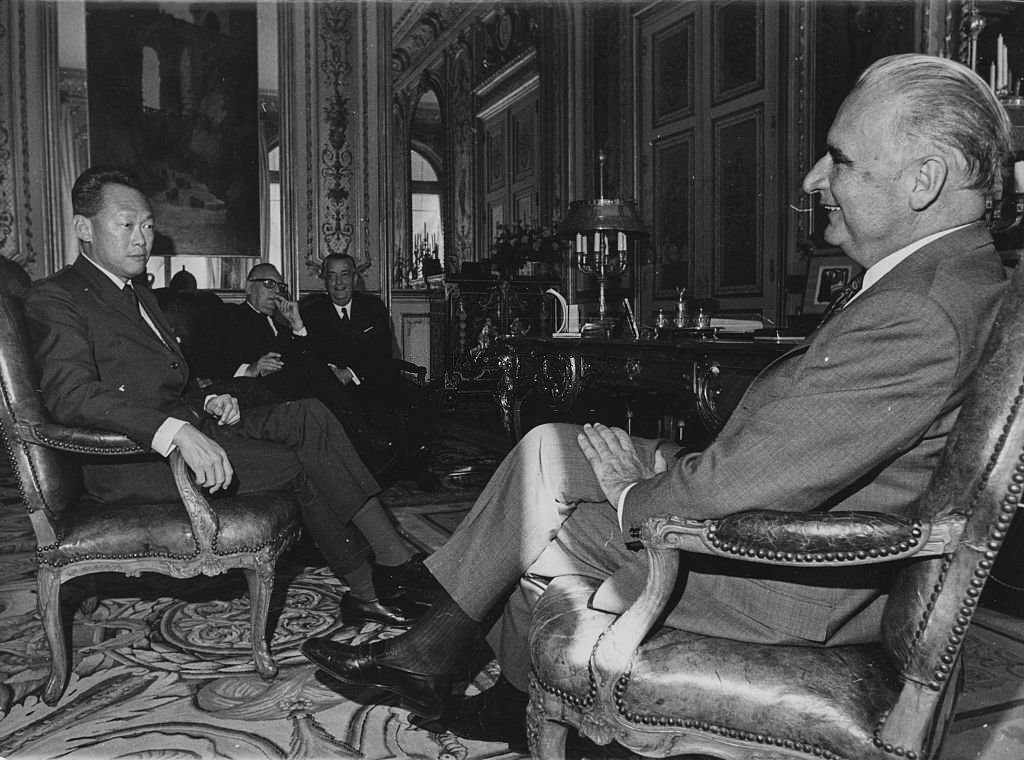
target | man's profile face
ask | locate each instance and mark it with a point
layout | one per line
(119, 237)
(863, 180)
(339, 280)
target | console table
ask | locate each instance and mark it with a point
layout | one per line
(679, 389)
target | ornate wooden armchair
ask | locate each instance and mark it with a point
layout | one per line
(663, 692)
(76, 538)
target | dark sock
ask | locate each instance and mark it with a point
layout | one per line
(438, 641)
(360, 582)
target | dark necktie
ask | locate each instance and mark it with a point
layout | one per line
(133, 298)
(844, 297)
(344, 316)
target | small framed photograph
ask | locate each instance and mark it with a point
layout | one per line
(827, 274)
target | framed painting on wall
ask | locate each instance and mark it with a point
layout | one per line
(828, 272)
(173, 96)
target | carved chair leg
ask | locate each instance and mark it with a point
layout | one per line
(48, 590)
(261, 584)
(547, 737)
(92, 596)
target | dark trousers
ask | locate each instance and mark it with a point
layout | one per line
(295, 445)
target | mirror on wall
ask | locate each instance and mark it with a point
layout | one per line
(426, 192)
(185, 95)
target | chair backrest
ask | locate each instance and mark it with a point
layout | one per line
(980, 476)
(13, 277)
(197, 320)
(49, 480)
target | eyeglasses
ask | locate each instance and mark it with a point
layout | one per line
(269, 284)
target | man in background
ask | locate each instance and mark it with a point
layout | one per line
(351, 332)
(264, 355)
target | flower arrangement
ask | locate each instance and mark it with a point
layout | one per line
(516, 245)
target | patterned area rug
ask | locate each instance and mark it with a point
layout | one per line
(162, 670)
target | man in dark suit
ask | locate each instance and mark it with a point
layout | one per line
(351, 332)
(108, 359)
(852, 419)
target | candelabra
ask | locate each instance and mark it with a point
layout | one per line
(605, 233)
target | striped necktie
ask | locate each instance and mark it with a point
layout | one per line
(844, 297)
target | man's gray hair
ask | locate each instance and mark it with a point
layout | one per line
(946, 103)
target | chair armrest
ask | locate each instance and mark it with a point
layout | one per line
(88, 441)
(205, 524)
(799, 539)
(795, 539)
(78, 440)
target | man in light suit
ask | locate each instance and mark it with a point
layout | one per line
(351, 332)
(108, 359)
(853, 418)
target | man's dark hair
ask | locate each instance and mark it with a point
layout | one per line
(332, 257)
(87, 193)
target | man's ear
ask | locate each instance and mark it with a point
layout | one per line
(929, 179)
(82, 227)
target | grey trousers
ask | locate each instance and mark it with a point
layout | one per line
(542, 515)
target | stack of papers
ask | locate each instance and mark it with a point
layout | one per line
(736, 325)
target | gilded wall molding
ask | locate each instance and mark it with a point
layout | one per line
(26, 246)
(421, 38)
(6, 159)
(366, 254)
(336, 149)
(462, 140)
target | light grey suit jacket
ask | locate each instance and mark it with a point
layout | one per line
(853, 419)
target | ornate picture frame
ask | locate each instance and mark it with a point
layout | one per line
(827, 273)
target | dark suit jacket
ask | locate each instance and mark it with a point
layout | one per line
(363, 343)
(103, 366)
(853, 419)
(248, 336)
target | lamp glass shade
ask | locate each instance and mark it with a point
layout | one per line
(601, 214)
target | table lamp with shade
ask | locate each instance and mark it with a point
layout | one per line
(604, 232)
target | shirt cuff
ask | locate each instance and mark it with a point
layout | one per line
(163, 439)
(301, 333)
(242, 370)
(622, 502)
(355, 377)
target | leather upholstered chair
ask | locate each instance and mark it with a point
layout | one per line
(78, 538)
(661, 692)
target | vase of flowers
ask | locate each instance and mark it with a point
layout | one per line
(519, 250)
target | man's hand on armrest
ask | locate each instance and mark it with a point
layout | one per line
(205, 458)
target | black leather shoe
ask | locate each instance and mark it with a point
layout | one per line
(410, 580)
(496, 715)
(421, 693)
(399, 611)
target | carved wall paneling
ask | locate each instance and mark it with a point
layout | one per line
(461, 131)
(703, 74)
(30, 228)
(336, 144)
(8, 203)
